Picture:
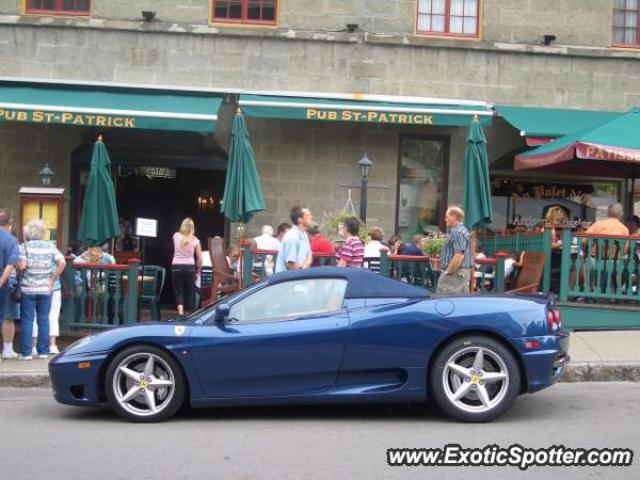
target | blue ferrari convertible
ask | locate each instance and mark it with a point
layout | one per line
(324, 335)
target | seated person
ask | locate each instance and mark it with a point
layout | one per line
(373, 248)
(233, 259)
(319, 243)
(511, 265)
(93, 255)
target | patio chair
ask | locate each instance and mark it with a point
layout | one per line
(153, 278)
(223, 281)
(530, 273)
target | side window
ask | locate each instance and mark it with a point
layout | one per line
(288, 300)
(58, 7)
(625, 23)
(459, 18)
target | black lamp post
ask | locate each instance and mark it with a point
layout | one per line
(46, 174)
(365, 167)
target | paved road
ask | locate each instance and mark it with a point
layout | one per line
(42, 439)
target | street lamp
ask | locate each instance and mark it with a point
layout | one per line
(46, 174)
(365, 167)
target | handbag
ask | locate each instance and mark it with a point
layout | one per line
(16, 291)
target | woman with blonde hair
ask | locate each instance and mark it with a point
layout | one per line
(184, 267)
(555, 216)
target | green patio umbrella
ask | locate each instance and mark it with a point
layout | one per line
(242, 191)
(477, 189)
(99, 220)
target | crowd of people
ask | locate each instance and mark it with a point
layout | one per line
(301, 245)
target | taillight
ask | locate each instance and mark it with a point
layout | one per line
(553, 320)
(558, 319)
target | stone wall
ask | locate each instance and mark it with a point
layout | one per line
(315, 163)
(549, 77)
(574, 22)
(308, 161)
(24, 150)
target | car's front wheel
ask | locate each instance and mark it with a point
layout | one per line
(475, 379)
(144, 384)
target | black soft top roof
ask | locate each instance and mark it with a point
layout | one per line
(363, 283)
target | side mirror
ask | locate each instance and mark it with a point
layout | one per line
(222, 312)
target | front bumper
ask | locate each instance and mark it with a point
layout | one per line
(546, 364)
(73, 385)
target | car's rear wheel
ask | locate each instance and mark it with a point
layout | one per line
(144, 384)
(475, 379)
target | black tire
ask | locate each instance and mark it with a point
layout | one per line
(444, 382)
(174, 398)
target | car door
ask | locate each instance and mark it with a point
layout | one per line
(284, 339)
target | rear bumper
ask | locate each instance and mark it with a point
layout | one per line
(73, 385)
(546, 364)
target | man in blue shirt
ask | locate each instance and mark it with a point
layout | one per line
(456, 255)
(9, 255)
(295, 250)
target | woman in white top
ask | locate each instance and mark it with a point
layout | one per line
(183, 267)
(373, 247)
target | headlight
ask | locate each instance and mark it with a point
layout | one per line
(79, 343)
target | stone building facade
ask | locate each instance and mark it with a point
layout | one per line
(311, 49)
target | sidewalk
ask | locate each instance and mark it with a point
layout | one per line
(595, 357)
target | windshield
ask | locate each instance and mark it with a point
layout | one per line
(205, 314)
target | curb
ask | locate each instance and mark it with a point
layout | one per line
(601, 372)
(25, 379)
(580, 372)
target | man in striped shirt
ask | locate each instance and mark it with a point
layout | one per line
(456, 258)
(351, 254)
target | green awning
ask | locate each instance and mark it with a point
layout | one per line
(359, 108)
(538, 124)
(612, 142)
(108, 107)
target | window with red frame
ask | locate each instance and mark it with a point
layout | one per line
(449, 17)
(245, 11)
(63, 7)
(626, 23)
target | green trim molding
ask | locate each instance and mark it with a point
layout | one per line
(578, 316)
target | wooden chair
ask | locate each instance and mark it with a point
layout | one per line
(223, 281)
(530, 273)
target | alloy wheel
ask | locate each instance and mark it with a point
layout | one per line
(475, 379)
(143, 384)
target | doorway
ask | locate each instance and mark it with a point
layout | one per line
(165, 176)
(192, 193)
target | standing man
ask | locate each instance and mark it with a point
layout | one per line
(456, 258)
(295, 251)
(9, 257)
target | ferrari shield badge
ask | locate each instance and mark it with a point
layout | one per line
(179, 330)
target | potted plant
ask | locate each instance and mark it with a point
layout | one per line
(331, 223)
(433, 248)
